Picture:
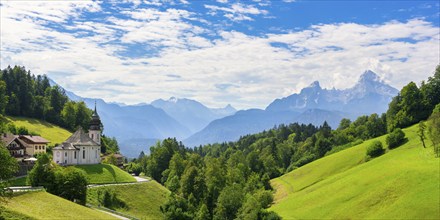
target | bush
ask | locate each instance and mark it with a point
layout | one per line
(109, 199)
(395, 138)
(375, 149)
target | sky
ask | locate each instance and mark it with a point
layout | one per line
(244, 53)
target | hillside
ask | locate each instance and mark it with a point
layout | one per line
(105, 173)
(402, 184)
(43, 205)
(52, 133)
(142, 201)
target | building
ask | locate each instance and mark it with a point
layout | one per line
(81, 147)
(23, 146)
(34, 144)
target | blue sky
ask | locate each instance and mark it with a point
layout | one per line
(244, 53)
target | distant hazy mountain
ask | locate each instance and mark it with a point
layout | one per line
(191, 113)
(241, 123)
(312, 105)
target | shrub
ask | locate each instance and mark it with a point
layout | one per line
(109, 199)
(375, 149)
(395, 138)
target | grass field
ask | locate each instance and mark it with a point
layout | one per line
(105, 173)
(142, 201)
(43, 205)
(52, 133)
(404, 183)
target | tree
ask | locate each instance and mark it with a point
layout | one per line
(3, 97)
(203, 213)
(322, 145)
(395, 138)
(176, 208)
(250, 209)
(345, 123)
(229, 202)
(8, 167)
(42, 174)
(192, 182)
(431, 90)
(375, 149)
(68, 115)
(72, 185)
(83, 115)
(421, 132)
(434, 129)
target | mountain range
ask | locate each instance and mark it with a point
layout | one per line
(136, 127)
(312, 105)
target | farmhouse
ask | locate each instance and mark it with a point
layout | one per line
(22, 146)
(81, 147)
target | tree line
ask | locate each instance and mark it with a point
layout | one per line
(24, 94)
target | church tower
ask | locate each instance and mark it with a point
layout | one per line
(95, 127)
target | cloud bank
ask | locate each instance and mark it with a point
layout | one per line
(138, 55)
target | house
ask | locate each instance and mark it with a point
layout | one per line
(81, 147)
(34, 144)
(22, 146)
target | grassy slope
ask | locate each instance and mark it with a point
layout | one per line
(404, 183)
(105, 173)
(51, 132)
(42, 205)
(143, 200)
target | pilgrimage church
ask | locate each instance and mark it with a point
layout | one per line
(81, 147)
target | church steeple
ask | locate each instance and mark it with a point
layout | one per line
(95, 128)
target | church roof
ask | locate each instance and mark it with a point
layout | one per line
(65, 146)
(81, 138)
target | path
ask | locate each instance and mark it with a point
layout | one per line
(138, 179)
(112, 214)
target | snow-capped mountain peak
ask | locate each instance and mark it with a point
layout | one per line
(370, 94)
(369, 76)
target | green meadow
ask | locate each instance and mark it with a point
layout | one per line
(142, 200)
(404, 183)
(52, 133)
(105, 173)
(43, 205)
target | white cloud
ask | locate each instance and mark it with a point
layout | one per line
(246, 71)
(237, 11)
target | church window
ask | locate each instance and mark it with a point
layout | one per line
(84, 154)
(65, 154)
(74, 155)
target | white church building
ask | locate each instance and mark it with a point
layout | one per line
(81, 147)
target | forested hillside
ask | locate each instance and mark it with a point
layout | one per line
(231, 180)
(27, 95)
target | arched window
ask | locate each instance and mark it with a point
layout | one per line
(84, 154)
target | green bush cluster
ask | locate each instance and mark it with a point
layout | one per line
(109, 199)
(68, 183)
(375, 149)
(395, 138)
